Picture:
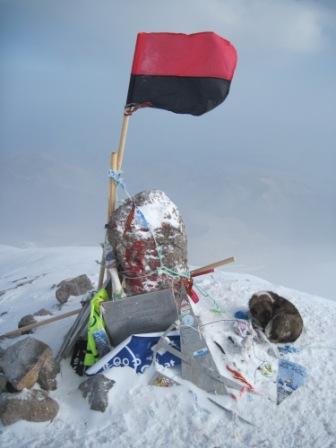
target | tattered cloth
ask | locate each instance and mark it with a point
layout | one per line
(147, 233)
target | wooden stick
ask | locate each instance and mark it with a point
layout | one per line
(116, 164)
(112, 187)
(217, 264)
(206, 271)
(39, 324)
(193, 273)
(110, 209)
(122, 141)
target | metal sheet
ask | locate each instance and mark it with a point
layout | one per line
(143, 313)
(200, 368)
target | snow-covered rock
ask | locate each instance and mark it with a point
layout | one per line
(73, 287)
(22, 362)
(147, 233)
(31, 405)
(95, 389)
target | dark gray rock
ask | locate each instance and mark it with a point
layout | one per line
(137, 245)
(43, 312)
(95, 389)
(48, 373)
(3, 382)
(27, 320)
(73, 287)
(21, 363)
(30, 405)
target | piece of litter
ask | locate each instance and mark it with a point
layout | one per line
(241, 314)
(288, 349)
(290, 377)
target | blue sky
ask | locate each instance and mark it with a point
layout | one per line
(253, 178)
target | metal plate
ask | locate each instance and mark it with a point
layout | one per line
(143, 313)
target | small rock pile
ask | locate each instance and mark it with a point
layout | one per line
(22, 365)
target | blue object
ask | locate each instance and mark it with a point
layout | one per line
(242, 314)
(201, 352)
(290, 377)
(136, 352)
(288, 349)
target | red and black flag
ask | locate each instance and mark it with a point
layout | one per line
(185, 74)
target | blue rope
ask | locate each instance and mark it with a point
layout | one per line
(116, 176)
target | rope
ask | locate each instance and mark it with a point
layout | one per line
(217, 309)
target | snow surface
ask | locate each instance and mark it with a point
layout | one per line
(140, 414)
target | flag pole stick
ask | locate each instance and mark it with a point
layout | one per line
(115, 165)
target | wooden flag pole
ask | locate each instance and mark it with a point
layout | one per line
(115, 165)
(122, 141)
(112, 187)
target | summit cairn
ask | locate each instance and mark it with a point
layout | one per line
(149, 238)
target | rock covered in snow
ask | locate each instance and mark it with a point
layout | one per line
(30, 405)
(95, 389)
(73, 287)
(147, 233)
(27, 320)
(48, 373)
(42, 312)
(21, 363)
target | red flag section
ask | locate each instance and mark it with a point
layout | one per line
(188, 74)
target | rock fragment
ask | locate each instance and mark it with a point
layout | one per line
(21, 362)
(43, 312)
(27, 320)
(3, 382)
(95, 389)
(48, 373)
(73, 287)
(30, 405)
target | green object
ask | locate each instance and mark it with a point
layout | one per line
(95, 326)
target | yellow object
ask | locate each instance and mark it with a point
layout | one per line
(95, 324)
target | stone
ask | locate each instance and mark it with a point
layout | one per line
(95, 389)
(42, 312)
(21, 363)
(3, 382)
(48, 373)
(73, 287)
(27, 320)
(31, 405)
(146, 233)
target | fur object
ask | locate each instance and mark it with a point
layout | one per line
(278, 317)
